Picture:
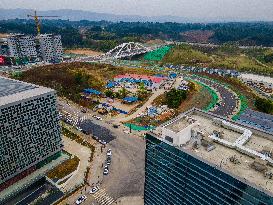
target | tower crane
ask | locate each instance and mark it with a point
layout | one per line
(38, 21)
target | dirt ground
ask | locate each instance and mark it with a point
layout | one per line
(199, 99)
(156, 41)
(86, 52)
(3, 35)
(137, 200)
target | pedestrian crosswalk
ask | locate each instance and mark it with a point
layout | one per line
(103, 198)
(83, 118)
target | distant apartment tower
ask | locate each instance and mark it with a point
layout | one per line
(200, 158)
(51, 47)
(29, 129)
(21, 46)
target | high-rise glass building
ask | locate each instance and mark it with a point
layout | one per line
(201, 158)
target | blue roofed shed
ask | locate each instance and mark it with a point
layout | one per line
(92, 91)
(130, 99)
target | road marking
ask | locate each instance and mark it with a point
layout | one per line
(30, 194)
(103, 198)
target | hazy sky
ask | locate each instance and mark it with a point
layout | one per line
(232, 9)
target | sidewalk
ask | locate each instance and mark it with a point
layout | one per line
(95, 175)
(84, 154)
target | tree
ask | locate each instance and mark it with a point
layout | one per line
(142, 92)
(109, 93)
(123, 92)
(264, 105)
(175, 97)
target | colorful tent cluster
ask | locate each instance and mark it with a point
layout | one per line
(158, 54)
(134, 78)
(92, 91)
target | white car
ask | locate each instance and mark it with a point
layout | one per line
(97, 117)
(106, 170)
(109, 152)
(81, 199)
(94, 190)
(102, 142)
(78, 128)
(126, 131)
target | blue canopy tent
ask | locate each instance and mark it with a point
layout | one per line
(130, 99)
(111, 84)
(172, 75)
(92, 91)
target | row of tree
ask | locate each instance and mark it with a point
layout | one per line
(98, 34)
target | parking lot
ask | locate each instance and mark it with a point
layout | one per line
(99, 132)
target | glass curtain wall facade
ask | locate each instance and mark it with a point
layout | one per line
(174, 177)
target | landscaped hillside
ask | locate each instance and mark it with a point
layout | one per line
(256, 60)
(70, 79)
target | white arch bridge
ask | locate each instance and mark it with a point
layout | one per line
(127, 50)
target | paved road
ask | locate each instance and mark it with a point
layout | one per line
(126, 176)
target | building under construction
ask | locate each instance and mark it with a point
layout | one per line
(21, 49)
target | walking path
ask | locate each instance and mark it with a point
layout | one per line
(84, 154)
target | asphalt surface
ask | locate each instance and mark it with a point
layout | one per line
(229, 99)
(34, 191)
(126, 172)
(96, 130)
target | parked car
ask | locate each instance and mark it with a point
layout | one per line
(81, 199)
(106, 170)
(94, 190)
(78, 128)
(115, 126)
(102, 142)
(108, 161)
(126, 131)
(86, 132)
(97, 117)
(109, 152)
(83, 111)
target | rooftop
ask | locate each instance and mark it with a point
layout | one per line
(244, 152)
(14, 90)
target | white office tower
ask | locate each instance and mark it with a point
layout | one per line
(51, 47)
(21, 46)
